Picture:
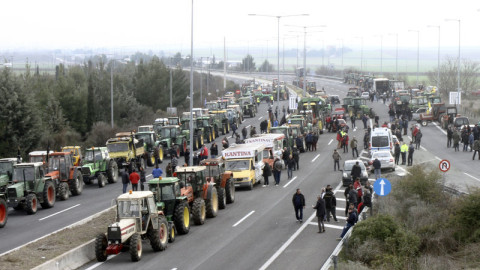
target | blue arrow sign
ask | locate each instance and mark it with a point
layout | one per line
(382, 187)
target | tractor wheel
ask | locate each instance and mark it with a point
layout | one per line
(224, 130)
(136, 247)
(195, 143)
(48, 195)
(3, 213)
(101, 179)
(172, 233)
(212, 204)
(424, 123)
(202, 141)
(230, 191)
(210, 137)
(63, 191)
(19, 207)
(160, 154)
(101, 244)
(222, 199)
(214, 135)
(184, 147)
(159, 238)
(150, 160)
(76, 184)
(112, 171)
(31, 204)
(181, 217)
(177, 150)
(87, 180)
(216, 131)
(198, 211)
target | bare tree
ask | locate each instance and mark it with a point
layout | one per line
(448, 75)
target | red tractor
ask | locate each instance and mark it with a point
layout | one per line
(66, 176)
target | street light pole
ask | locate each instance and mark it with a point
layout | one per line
(418, 51)
(458, 60)
(381, 53)
(111, 91)
(190, 161)
(438, 57)
(396, 56)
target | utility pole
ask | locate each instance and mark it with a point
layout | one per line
(224, 65)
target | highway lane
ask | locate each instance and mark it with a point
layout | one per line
(22, 228)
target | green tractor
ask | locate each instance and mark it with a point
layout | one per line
(154, 149)
(168, 199)
(6, 174)
(198, 138)
(358, 107)
(247, 106)
(224, 181)
(206, 123)
(172, 137)
(29, 187)
(417, 103)
(97, 164)
(220, 121)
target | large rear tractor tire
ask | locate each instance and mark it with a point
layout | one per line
(198, 211)
(48, 195)
(150, 160)
(160, 155)
(101, 244)
(222, 199)
(76, 184)
(63, 191)
(31, 204)
(102, 181)
(159, 238)
(136, 247)
(230, 191)
(3, 213)
(177, 150)
(212, 203)
(181, 218)
(112, 171)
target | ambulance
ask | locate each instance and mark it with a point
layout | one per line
(245, 162)
(273, 145)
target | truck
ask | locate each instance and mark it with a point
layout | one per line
(381, 86)
(76, 154)
(245, 162)
(98, 165)
(137, 219)
(127, 151)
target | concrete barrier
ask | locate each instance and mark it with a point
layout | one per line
(72, 259)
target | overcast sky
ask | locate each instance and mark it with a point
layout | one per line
(165, 25)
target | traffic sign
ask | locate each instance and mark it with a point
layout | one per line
(382, 187)
(444, 165)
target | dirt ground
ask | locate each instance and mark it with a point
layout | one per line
(50, 247)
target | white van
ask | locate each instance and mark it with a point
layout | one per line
(380, 139)
(245, 161)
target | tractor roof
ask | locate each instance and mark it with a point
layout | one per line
(171, 126)
(8, 159)
(124, 134)
(211, 161)
(33, 164)
(135, 195)
(60, 154)
(190, 169)
(39, 153)
(163, 180)
(267, 139)
(248, 150)
(71, 147)
(97, 148)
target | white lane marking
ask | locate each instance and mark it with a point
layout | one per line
(330, 141)
(423, 148)
(439, 159)
(472, 176)
(340, 190)
(402, 169)
(100, 263)
(149, 176)
(245, 217)
(410, 138)
(315, 158)
(290, 240)
(290, 182)
(59, 212)
(340, 208)
(229, 137)
(340, 217)
(260, 118)
(341, 199)
(443, 131)
(249, 126)
(327, 225)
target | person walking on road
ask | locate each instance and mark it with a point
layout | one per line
(411, 149)
(143, 179)
(403, 151)
(214, 150)
(353, 145)
(418, 139)
(277, 170)
(267, 171)
(449, 137)
(320, 206)
(296, 158)
(157, 172)
(476, 149)
(353, 118)
(298, 201)
(244, 132)
(336, 160)
(290, 166)
(471, 141)
(356, 171)
(397, 153)
(456, 141)
(125, 181)
(353, 196)
(377, 168)
(330, 203)
(134, 178)
(187, 156)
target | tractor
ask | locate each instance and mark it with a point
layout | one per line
(224, 182)
(98, 165)
(358, 108)
(127, 151)
(6, 174)
(173, 138)
(200, 192)
(247, 106)
(220, 120)
(198, 138)
(29, 187)
(154, 150)
(206, 123)
(168, 198)
(137, 219)
(66, 176)
(77, 154)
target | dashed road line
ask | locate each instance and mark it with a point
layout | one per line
(423, 148)
(148, 176)
(249, 126)
(439, 159)
(473, 177)
(341, 199)
(315, 158)
(443, 131)
(59, 212)
(288, 183)
(245, 217)
(330, 141)
(260, 118)
(327, 225)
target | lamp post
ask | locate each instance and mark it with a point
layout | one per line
(396, 55)
(458, 60)
(278, 44)
(418, 50)
(361, 54)
(438, 57)
(190, 161)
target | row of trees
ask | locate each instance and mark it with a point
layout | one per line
(73, 105)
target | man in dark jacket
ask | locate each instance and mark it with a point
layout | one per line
(277, 171)
(449, 137)
(320, 206)
(214, 150)
(397, 153)
(267, 171)
(377, 168)
(125, 181)
(244, 132)
(352, 196)
(290, 166)
(298, 201)
(356, 171)
(296, 157)
(352, 218)
(330, 203)
(411, 149)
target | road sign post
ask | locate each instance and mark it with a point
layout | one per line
(382, 187)
(444, 165)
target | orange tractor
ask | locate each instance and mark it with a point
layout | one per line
(66, 176)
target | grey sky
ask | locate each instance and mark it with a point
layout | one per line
(28, 24)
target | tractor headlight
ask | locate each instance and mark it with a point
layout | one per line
(344, 175)
(114, 229)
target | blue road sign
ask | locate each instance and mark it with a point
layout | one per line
(382, 187)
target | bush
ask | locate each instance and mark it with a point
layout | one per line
(425, 184)
(99, 134)
(467, 217)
